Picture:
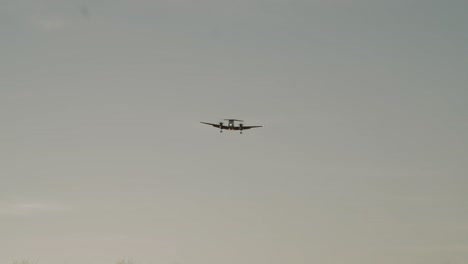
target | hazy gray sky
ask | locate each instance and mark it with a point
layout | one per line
(363, 158)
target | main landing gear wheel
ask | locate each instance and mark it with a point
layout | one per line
(221, 127)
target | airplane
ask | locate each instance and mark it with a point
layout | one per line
(231, 125)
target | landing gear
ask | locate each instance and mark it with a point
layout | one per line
(221, 127)
(241, 131)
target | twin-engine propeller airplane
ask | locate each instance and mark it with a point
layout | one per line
(231, 125)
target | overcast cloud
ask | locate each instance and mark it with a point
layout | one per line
(362, 158)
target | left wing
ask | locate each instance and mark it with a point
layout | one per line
(245, 127)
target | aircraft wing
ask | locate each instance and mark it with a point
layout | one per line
(215, 125)
(247, 127)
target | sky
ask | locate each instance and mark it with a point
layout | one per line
(363, 157)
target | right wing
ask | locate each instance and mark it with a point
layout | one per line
(215, 125)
